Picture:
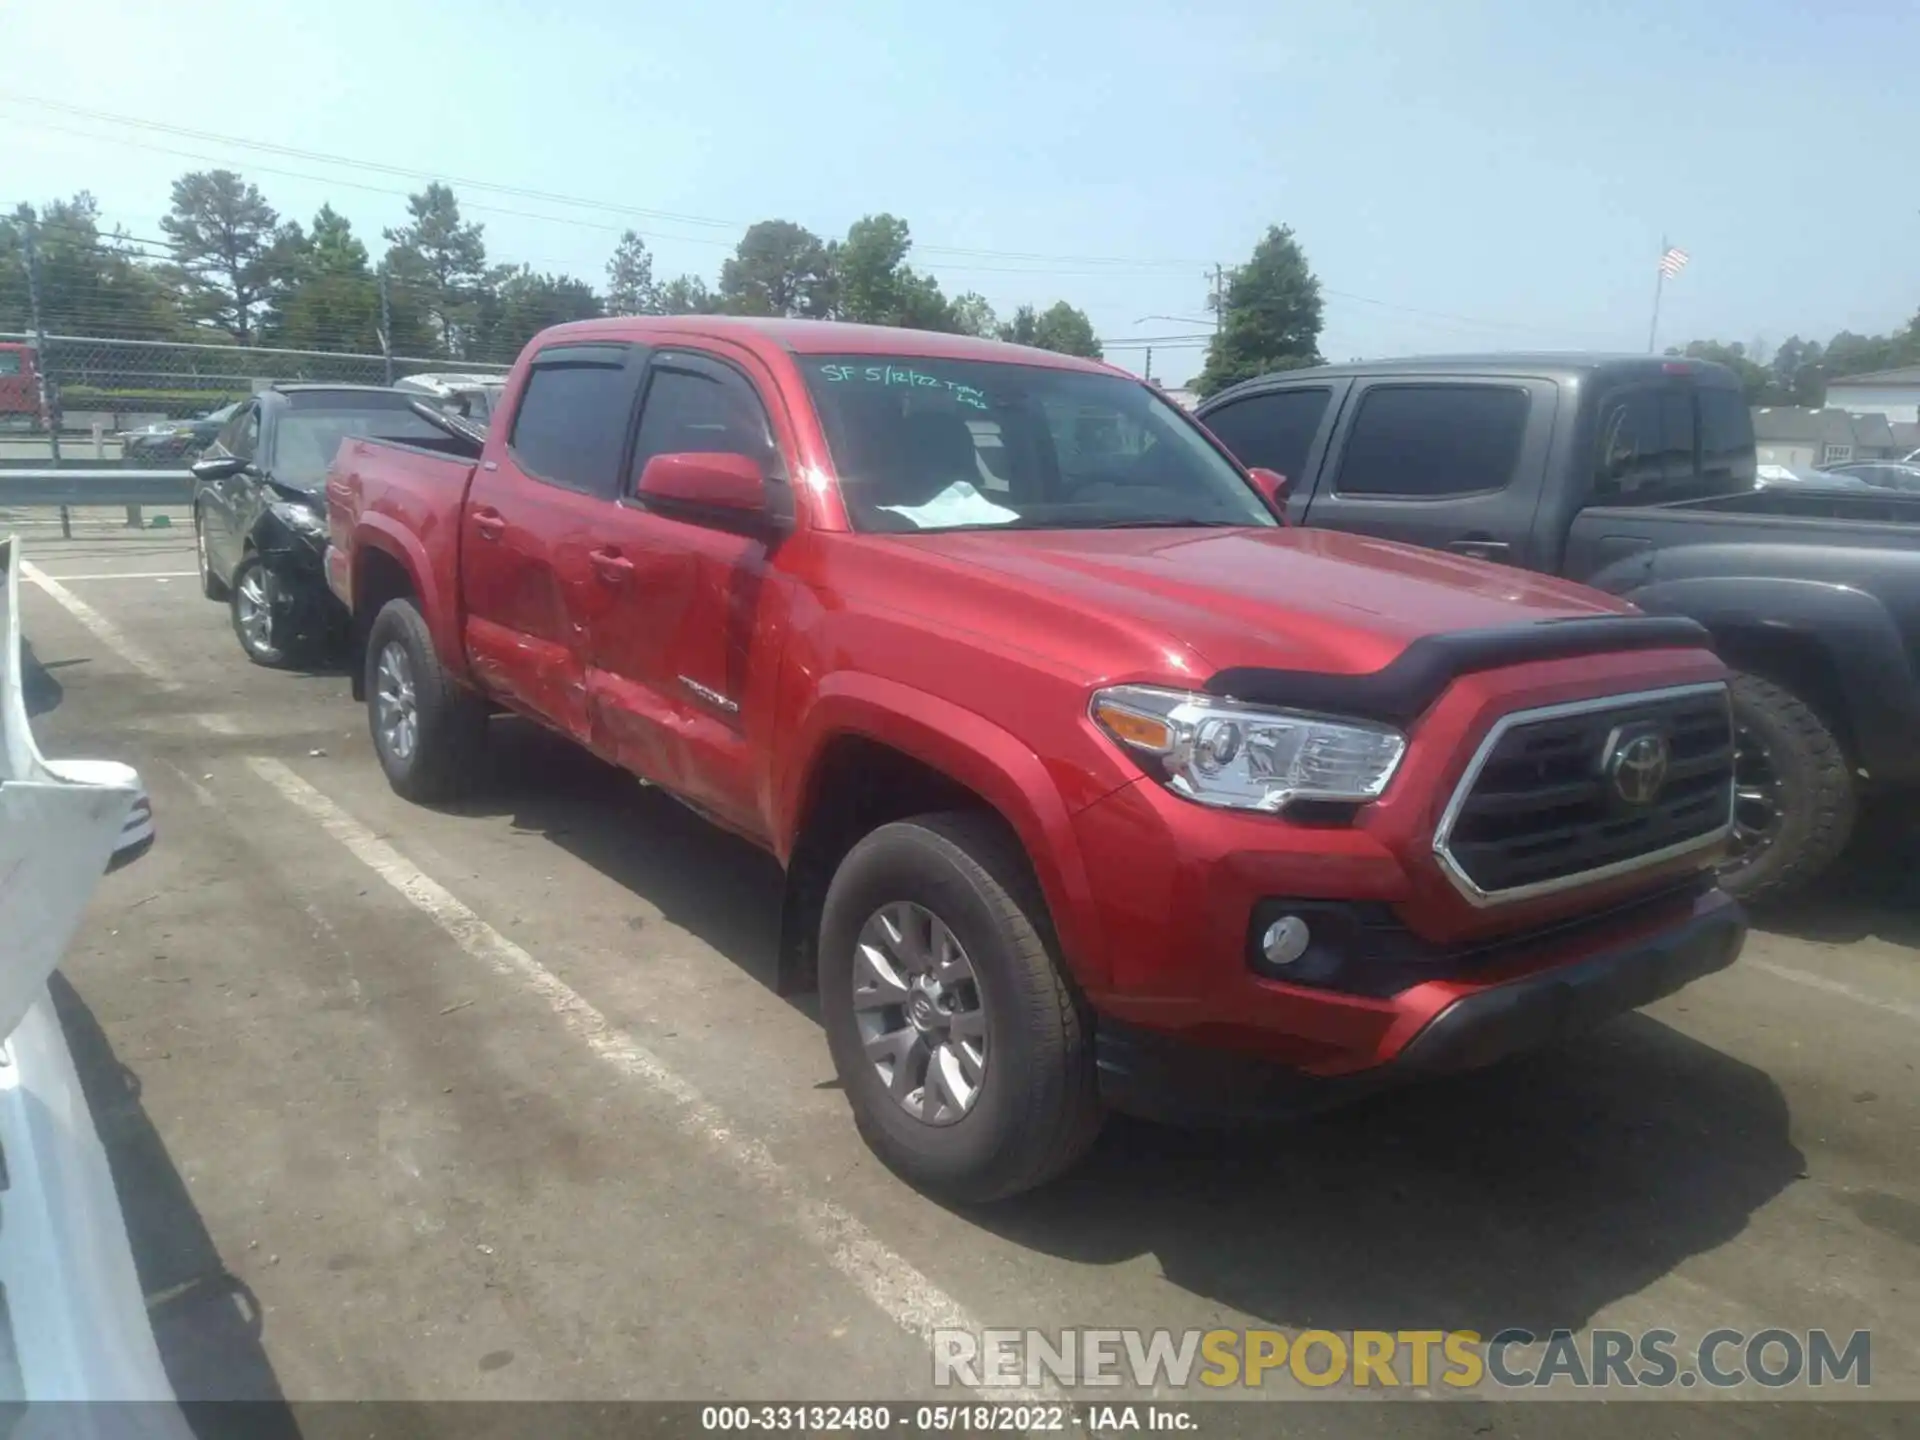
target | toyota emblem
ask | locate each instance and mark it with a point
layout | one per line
(1636, 765)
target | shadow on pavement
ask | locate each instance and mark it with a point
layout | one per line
(709, 883)
(206, 1321)
(1873, 891)
(1534, 1194)
(38, 685)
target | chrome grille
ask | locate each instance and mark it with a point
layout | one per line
(1539, 808)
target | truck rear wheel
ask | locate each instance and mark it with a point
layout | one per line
(965, 1054)
(428, 730)
(1794, 802)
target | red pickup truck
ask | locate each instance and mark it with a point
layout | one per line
(20, 398)
(1095, 784)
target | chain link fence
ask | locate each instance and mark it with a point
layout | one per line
(117, 384)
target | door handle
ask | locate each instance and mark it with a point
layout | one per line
(490, 523)
(1482, 549)
(611, 565)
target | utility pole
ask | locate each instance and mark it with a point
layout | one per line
(1219, 297)
(386, 322)
(1149, 371)
(30, 225)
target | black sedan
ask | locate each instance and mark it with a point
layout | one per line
(260, 510)
(169, 440)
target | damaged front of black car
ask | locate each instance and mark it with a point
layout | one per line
(283, 612)
(260, 510)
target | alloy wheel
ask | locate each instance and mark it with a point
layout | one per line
(918, 1006)
(396, 711)
(253, 604)
(1758, 809)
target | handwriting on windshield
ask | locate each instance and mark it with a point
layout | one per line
(904, 375)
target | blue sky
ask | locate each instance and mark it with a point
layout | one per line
(1464, 174)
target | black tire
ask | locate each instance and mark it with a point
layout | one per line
(249, 577)
(211, 585)
(450, 721)
(1810, 774)
(1037, 1108)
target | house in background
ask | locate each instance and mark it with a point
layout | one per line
(1813, 439)
(1892, 393)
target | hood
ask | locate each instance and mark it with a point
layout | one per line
(1288, 599)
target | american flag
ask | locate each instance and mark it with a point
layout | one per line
(1673, 262)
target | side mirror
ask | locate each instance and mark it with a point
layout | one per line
(1271, 484)
(721, 485)
(218, 467)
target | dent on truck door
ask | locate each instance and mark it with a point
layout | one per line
(532, 518)
(678, 607)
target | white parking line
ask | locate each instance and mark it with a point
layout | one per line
(1833, 987)
(133, 575)
(110, 634)
(907, 1297)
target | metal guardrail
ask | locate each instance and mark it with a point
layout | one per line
(93, 485)
(72, 462)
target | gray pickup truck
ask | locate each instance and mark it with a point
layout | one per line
(1636, 475)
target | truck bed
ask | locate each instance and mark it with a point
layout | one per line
(1800, 523)
(1885, 506)
(405, 499)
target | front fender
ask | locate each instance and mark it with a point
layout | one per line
(973, 751)
(1853, 630)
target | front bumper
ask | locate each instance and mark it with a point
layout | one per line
(305, 606)
(1161, 1077)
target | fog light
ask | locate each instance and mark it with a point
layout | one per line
(1286, 940)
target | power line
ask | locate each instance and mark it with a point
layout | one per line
(525, 193)
(120, 242)
(1143, 268)
(570, 221)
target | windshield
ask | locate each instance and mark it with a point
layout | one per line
(310, 434)
(925, 444)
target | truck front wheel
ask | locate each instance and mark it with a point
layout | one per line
(965, 1054)
(1794, 804)
(428, 730)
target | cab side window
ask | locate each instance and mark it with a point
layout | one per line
(571, 426)
(1427, 442)
(694, 404)
(1275, 431)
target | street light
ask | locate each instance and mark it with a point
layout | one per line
(1179, 319)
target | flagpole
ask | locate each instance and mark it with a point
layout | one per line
(1659, 278)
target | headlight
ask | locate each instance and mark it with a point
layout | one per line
(1248, 757)
(302, 519)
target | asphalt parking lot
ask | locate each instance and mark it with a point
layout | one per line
(499, 1102)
